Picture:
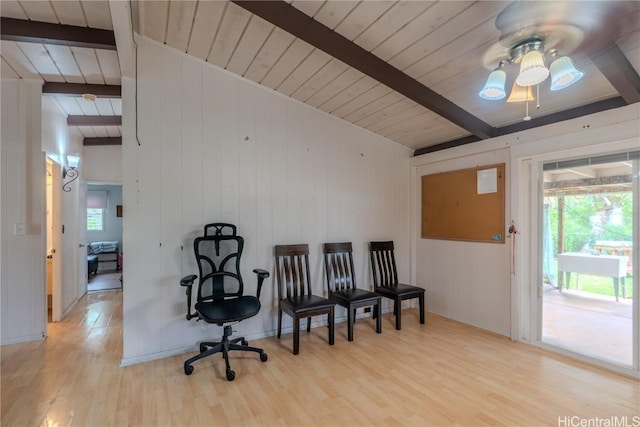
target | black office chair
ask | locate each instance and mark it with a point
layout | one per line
(385, 280)
(341, 284)
(220, 298)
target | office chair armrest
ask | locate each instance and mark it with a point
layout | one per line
(262, 274)
(187, 281)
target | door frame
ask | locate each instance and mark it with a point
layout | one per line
(56, 241)
(527, 213)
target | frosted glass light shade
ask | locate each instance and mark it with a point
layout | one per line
(564, 73)
(73, 161)
(494, 88)
(532, 69)
(520, 93)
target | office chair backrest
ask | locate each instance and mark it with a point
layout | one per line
(338, 264)
(292, 270)
(218, 254)
(383, 264)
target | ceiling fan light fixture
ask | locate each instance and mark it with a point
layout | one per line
(493, 90)
(564, 73)
(532, 69)
(520, 93)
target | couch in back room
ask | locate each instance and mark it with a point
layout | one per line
(97, 249)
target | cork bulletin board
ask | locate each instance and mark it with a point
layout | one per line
(466, 204)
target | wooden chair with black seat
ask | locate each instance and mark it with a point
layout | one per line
(385, 280)
(294, 292)
(220, 298)
(341, 284)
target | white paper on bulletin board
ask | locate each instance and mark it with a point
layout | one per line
(487, 180)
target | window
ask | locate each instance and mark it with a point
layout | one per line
(95, 219)
(96, 205)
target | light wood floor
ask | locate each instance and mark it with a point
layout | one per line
(442, 373)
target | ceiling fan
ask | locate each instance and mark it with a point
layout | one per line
(532, 31)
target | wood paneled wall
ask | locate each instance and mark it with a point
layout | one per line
(466, 281)
(214, 147)
(31, 127)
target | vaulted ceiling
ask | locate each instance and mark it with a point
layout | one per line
(407, 70)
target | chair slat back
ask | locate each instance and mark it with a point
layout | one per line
(218, 257)
(383, 264)
(292, 270)
(338, 264)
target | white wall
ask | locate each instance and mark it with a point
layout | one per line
(30, 126)
(112, 230)
(465, 281)
(472, 282)
(102, 164)
(22, 286)
(214, 147)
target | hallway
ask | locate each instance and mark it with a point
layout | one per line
(105, 281)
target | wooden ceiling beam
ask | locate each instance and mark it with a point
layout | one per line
(295, 22)
(79, 89)
(615, 66)
(573, 113)
(94, 120)
(20, 30)
(93, 142)
(561, 116)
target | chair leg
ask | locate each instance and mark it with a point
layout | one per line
(421, 304)
(397, 308)
(296, 335)
(225, 355)
(240, 347)
(331, 325)
(378, 316)
(279, 322)
(350, 315)
(309, 324)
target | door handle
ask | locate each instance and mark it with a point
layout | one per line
(81, 245)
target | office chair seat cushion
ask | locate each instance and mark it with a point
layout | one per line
(399, 289)
(306, 302)
(351, 295)
(230, 310)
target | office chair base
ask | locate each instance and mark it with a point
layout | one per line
(224, 346)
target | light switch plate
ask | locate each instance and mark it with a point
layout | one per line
(18, 229)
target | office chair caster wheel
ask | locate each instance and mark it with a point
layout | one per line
(230, 375)
(263, 357)
(244, 342)
(203, 348)
(188, 369)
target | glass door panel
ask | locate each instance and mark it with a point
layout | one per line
(587, 256)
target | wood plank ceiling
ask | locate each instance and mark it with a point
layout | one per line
(69, 68)
(407, 70)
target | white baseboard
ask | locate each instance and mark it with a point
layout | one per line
(259, 335)
(25, 338)
(126, 361)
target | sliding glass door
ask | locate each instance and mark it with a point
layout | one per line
(589, 281)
